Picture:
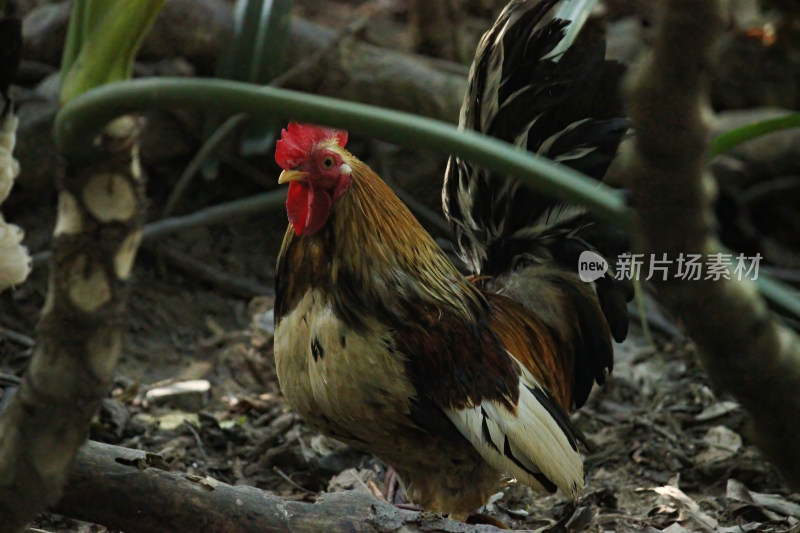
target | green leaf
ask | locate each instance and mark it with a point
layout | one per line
(237, 63)
(268, 61)
(261, 29)
(111, 33)
(269, 56)
(74, 40)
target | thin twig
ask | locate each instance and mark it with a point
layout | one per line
(218, 214)
(290, 481)
(233, 284)
(248, 170)
(9, 379)
(208, 148)
(19, 338)
(198, 440)
(354, 473)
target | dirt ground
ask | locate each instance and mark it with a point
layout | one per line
(663, 450)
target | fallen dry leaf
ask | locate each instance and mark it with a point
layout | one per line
(687, 504)
(737, 491)
(716, 410)
(722, 442)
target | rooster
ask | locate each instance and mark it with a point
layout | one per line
(453, 380)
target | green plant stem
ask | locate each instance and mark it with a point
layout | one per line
(93, 17)
(729, 139)
(82, 118)
(781, 295)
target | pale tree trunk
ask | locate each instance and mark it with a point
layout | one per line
(100, 215)
(745, 350)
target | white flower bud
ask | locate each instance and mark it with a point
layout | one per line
(15, 263)
(9, 168)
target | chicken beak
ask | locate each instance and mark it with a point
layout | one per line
(292, 175)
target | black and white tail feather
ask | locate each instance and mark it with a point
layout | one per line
(540, 81)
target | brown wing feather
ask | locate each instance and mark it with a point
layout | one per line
(455, 363)
(533, 345)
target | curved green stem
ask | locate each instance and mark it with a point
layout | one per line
(729, 139)
(780, 294)
(82, 118)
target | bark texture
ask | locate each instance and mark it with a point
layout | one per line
(100, 214)
(353, 70)
(120, 488)
(745, 350)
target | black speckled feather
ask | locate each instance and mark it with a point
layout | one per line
(565, 107)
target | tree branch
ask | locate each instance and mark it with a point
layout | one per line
(354, 70)
(119, 488)
(743, 348)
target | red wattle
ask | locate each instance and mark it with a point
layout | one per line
(307, 207)
(297, 205)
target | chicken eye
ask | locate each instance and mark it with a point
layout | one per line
(327, 163)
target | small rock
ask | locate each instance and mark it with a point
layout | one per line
(198, 30)
(190, 396)
(49, 88)
(112, 419)
(44, 30)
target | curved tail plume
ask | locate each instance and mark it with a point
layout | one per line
(542, 83)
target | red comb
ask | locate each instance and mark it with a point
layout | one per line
(297, 141)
